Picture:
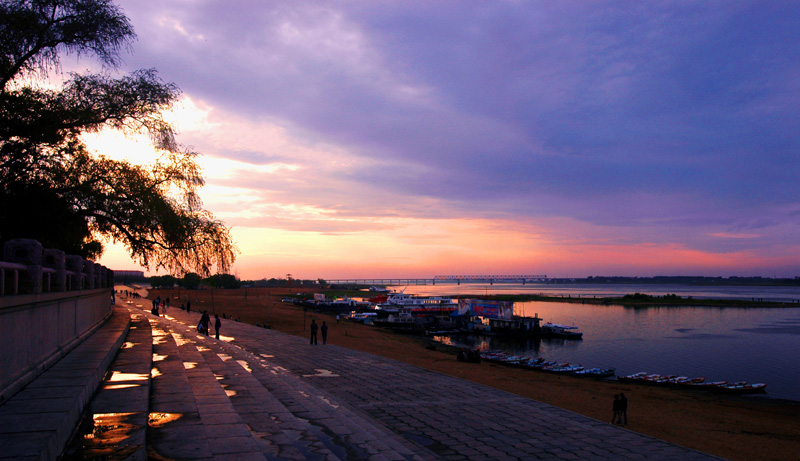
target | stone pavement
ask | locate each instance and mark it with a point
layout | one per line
(37, 422)
(261, 394)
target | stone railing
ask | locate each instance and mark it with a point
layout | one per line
(50, 303)
(28, 268)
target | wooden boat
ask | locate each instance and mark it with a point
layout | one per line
(739, 388)
(596, 373)
(635, 378)
(542, 364)
(705, 385)
(681, 381)
(563, 368)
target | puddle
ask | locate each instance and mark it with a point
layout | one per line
(107, 436)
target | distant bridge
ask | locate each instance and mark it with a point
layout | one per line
(457, 279)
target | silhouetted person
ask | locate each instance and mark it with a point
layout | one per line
(206, 321)
(616, 418)
(324, 329)
(217, 325)
(188, 305)
(313, 331)
(623, 409)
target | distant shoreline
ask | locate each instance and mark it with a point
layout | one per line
(643, 300)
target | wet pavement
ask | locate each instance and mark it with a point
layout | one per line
(261, 394)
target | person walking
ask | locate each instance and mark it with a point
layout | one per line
(217, 325)
(206, 321)
(313, 331)
(615, 418)
(623, 409)
(324, 330)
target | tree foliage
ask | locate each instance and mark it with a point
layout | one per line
(53, 188)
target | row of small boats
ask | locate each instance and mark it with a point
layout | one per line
(682, 382)
(700, 383)
(549, 366)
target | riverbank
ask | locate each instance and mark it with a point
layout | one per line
(728, 426)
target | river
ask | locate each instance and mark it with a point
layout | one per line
(719, 343)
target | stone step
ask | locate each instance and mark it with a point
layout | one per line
(280, 407)
(357, 435)
(115, 424)
(335, 403)
(191, 415)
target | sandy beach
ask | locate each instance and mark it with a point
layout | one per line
(732, 427)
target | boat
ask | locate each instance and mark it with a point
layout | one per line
(683, 382)
(741, 387)
(561, 331)
(597, 373)
(433, 304)
(634, 378)
(565, 368)
(347, 302)
(542, 364)
(705, 385)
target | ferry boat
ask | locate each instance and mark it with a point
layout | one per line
(418, 305)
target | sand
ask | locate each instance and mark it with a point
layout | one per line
(733, 427)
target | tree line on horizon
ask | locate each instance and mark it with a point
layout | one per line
(194, 281)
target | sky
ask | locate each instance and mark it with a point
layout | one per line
(417, 138)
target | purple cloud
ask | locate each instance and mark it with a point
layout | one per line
(676, 120)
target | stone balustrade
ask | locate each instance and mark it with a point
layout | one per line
(28, 268)
(49, 302)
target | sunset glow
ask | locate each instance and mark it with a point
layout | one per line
(384, 140)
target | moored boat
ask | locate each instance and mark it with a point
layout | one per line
(563, 368)
(561, 331)
(598, 373)
(739, 388)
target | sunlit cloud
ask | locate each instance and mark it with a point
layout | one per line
(728, 235)
(421, 138)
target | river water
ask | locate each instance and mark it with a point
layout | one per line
(719, 343)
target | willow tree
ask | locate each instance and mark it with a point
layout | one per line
(52, 188)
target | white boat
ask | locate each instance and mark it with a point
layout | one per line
(397, 300)
(349, 302)
(563, 331)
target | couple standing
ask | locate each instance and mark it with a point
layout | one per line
(323, 329)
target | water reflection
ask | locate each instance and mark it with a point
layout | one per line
(584, 290)
(730, 344)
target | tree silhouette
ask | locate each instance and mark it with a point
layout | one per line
(52, 189)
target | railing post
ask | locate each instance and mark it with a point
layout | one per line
(74, 265)
(56, 260)
(26, 252)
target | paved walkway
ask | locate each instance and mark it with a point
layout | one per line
(261, 394)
